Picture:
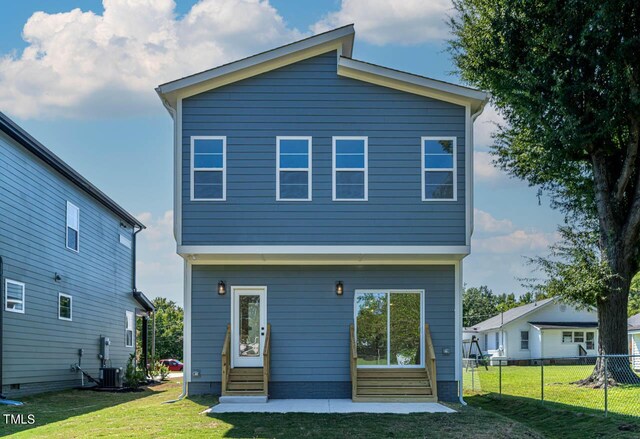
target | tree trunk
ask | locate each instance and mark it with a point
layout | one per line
(612, 327)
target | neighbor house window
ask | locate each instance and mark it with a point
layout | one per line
(486, 341)
(293, 174)
(64, 306)
(73, 227)
(389, 328)
(14, 296)
(129, 328)
(208, 168)
(567, 337)
(591, 340)
(524, 340)
(578, 337)
(497, 340)
(438, 168)
(350, 179)
(125, 241)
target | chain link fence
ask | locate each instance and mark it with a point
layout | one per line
(561, 381)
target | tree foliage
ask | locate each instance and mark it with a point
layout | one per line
(565, 76)
(168, 328)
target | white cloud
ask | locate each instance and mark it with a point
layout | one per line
(502, 236)
(382, 22)
(484, 169)
(486, 125)
(85, 64)
(485, 222)
(159, 268)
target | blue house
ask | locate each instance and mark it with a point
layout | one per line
(67, 270)
(323, 207)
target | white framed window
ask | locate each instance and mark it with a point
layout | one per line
(578, 337)
(293, 173)
(567, 337)
(389, 328)
(350, 168)
(125, 241)
(439, 168)
(130, 325)
(73, 227)
(591, 337)
(14, 296)
(524, 340)
(497, 340)
(65, 303)
(208, 168)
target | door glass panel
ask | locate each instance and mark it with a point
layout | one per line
(249, 320)
(371, 315)
(404, 331)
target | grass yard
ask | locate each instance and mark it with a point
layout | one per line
(525, 381)
(82, 414)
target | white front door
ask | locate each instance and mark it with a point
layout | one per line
(248, 325)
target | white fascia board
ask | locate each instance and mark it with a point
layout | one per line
(410, 83)
(341, 39)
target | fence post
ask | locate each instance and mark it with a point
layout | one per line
(542, 381)
(606, 387)
(500, 376)
(473, 376)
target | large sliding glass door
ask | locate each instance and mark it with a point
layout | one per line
(389, 328)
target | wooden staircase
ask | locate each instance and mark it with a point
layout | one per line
(245, 381)
(395, 384)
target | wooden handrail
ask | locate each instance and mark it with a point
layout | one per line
(226, 359)
(353, 361)
(430, 360)
(266, 366)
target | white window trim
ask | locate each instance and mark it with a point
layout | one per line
(454, 169)
(365, 169)
(60, 295)
(66, 228)
(388, 292)
(308, 168)
(223, 169)
(6, 296)
(133, 330)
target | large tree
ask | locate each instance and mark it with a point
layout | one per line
(168, 329)
(565, 75)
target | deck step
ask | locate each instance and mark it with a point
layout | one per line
(245, 385)
(393, 385)
(383, 398)
(390, 382)
(390, 391)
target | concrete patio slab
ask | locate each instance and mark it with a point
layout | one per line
(329, 406)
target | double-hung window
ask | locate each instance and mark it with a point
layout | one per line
(590, 340)
(64, 306)
(438, 168)
(73, 227)
(524, 340)
(208, 168)
(14, 296)
(350, 179)
(130, 324)
(293, 174)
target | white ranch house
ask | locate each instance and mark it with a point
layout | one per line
(542, 329)
(634, 340)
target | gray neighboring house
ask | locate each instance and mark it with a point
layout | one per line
(67, 270)
(323, 207)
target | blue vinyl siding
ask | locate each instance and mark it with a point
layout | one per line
(309, 322)
(308, 98)
(38, 348)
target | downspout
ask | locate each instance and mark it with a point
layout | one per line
(172, 111)
(474, 116)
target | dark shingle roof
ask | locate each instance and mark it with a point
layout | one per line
(560, 325)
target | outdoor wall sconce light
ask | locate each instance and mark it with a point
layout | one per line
(339, 288)
(57, 277)
(222, 288)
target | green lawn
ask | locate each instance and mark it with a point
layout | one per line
(525, 382)
(75, 413)
(80, 414)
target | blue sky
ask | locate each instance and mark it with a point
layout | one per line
(79, 76)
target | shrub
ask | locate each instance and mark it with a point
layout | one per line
(133, 376)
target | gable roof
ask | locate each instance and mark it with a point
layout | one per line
(23, 138)
(634, 323)
(510, 315)
(340, 40)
